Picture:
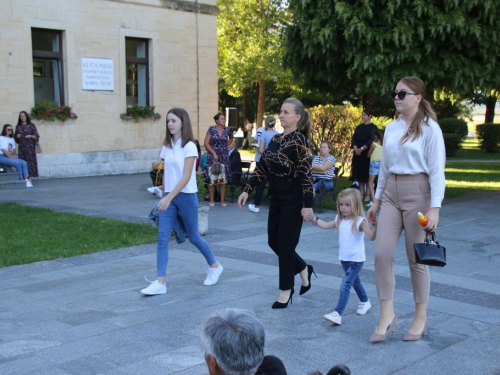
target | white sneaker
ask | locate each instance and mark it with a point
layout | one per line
(363, 307)
(151, 189)
(333, 317)
(213, 275)
(28, 184)
(155, 288)
(158, 192)
(252, 208)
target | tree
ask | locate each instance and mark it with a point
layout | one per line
(357, 47)
(249, 46)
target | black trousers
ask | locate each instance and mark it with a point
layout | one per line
(284, 226)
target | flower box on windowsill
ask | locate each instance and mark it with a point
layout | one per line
(126, 117)
(54, 121)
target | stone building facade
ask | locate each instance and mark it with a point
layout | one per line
(99, 56)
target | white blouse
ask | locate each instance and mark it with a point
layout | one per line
(423, 155)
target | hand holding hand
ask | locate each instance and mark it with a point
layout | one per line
(307, 214)
(372, 212)
(242, 199)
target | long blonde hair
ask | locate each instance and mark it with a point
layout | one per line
(424, 113)
(357, 208)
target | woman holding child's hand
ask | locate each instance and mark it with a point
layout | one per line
(288, 165)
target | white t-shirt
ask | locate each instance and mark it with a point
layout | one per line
(267, 136)
(351, 245)
(257, 139)
(7, 143)
(424, 155)
(174, 159)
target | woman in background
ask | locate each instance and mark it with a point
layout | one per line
(361, 141)
(8, 149)
(216, 141)
(27, 137)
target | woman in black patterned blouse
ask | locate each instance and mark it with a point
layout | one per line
(287, 163)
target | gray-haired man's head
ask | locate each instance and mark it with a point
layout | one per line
(234, 342)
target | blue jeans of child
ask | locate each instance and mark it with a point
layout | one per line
(351, 279)
(186, 205)
(20, 165)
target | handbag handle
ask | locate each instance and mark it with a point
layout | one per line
(430, 237)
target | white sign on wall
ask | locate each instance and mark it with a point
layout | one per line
(97, 74)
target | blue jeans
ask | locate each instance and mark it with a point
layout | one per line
(20, 165)
(186, 206)
(351, 279)
(326, 185)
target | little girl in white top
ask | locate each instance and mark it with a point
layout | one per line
(352, 226)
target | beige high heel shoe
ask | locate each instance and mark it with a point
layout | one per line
(415, 337)
(377, 337)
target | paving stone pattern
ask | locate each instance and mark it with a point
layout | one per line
(85, 315)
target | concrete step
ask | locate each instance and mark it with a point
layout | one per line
(10, 181)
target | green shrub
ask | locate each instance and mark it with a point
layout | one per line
(489, 136)
(454, 126)
(452, 142)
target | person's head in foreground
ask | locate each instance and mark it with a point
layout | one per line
(234, 342)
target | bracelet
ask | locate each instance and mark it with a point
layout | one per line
(315, 222)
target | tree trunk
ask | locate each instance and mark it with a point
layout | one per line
(489, 116)
(261, 104)
(245, 106)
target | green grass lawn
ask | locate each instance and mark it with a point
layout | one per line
(32, 234)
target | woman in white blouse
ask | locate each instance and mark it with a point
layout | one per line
(411, 179)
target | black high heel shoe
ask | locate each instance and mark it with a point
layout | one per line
(310, 270)
(281, 305)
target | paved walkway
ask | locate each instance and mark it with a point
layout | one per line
(85, 315)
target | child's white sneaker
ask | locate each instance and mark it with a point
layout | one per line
(333, 317)
(363, 307)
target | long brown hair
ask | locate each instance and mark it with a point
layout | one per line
(186, 130)
(304, 124)
(28, 118)
(424, 113)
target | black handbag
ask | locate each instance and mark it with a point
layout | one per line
(430, 253)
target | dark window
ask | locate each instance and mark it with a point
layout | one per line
(137, 60)
(48, 78)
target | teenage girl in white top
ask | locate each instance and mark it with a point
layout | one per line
(411, 179)
(180, 197)
(352, 227)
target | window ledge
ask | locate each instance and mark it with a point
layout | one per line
(155, 117)
(54, 121)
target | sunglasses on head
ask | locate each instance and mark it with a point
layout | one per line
(401, 95)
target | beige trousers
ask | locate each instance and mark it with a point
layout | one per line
(404, 197)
